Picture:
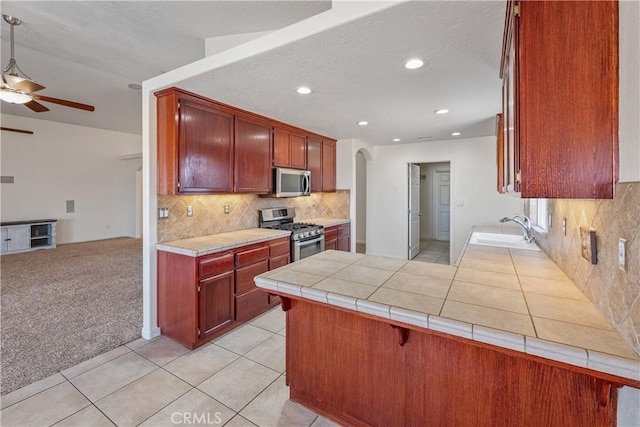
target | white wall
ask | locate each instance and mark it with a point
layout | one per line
(61, 162)
(473, 176)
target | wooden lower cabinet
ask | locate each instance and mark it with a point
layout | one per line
(358, 370)
(204, 297)
(338, 237)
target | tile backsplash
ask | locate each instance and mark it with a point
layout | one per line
(209, 217)
(614, 292)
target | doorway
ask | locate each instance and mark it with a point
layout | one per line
(429, 221)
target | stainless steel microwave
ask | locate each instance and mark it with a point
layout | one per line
(291, 182)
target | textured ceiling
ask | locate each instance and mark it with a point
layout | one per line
(355, 70)
(89, 51)
(357, 73)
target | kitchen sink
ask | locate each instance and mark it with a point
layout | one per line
(514, 241)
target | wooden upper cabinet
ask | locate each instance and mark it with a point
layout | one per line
(321, 161)
(289, 149)
(206, 147)
(252, 155)
(560, 98)
(195, 145)
(328, 165)
(314, 162)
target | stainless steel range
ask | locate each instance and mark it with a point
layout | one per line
(306, 239)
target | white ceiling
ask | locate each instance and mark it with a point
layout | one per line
(90, 51)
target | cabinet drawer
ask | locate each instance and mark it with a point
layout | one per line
(344, 230)
(210, 266)
(250, 304)
(245, 275)
(252, 256)
(278, 261)
(279, 247)
(330, 233)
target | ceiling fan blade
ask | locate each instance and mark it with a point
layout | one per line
(64, 102)
(36, 106)
(28, 86)
(30, 132)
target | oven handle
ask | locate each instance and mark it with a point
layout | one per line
(307, 242)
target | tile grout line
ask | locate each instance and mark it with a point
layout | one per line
(533, 324)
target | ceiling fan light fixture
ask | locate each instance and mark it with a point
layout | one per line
(14, 97)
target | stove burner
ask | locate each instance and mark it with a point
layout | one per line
(293, 226)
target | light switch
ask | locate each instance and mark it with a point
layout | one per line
(622, 254)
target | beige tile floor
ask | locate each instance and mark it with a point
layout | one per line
(237, 380)
(434, 251)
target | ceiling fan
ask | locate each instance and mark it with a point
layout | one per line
(18, 88)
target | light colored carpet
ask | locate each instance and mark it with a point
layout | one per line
(66, 305)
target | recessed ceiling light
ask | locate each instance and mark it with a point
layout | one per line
(303, 90)
(363, 122)
(396, 139)
(441, 111)
(456, 134)
(134, 86)
(412, 64)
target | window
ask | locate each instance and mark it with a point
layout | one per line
(538, 213)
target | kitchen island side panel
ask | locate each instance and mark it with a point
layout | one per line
(352, 368)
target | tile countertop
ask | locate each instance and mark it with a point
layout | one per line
(512, 298)
(327, 222)
(205, 245)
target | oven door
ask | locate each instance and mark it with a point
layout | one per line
(305, 248)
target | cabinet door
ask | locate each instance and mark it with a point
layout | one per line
(16, 238)
(314, 163)
(298, 151)
(215, 304)
(4, 239)
(205, 150)
(252, 156)
(281, 148)
(328, 166)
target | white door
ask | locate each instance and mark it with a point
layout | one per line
(443, 202)
(414, 210)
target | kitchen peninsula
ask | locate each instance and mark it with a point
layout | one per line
(504, 338)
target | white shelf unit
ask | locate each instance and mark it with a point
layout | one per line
(24, 236)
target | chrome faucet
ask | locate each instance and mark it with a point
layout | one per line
(523, 222)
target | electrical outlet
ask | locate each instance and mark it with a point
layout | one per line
(564, 226)
(226, 208)
(622, 254)
(189, 210)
